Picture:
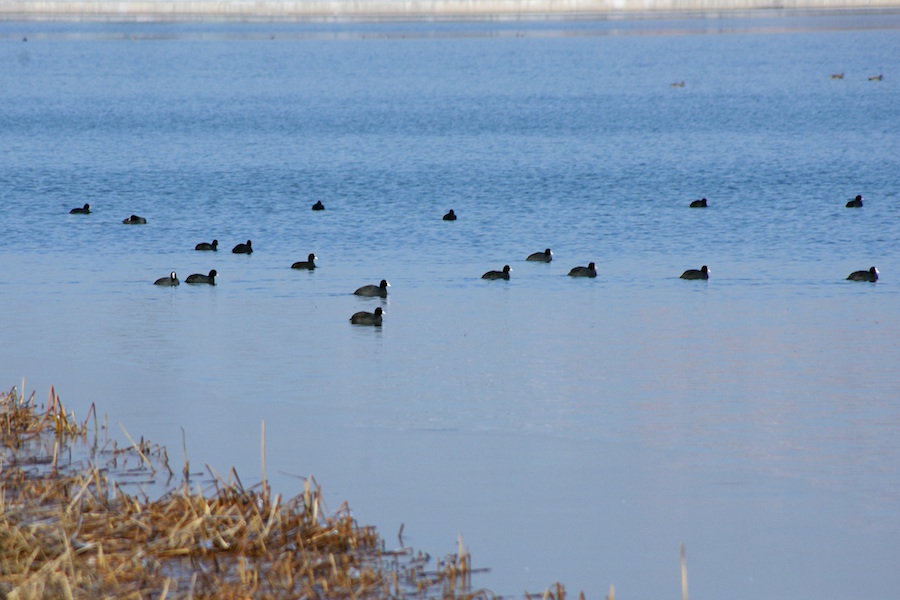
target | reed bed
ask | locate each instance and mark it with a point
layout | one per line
(76, 522)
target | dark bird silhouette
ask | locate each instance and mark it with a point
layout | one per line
(701, 273)
(243, 248)
(172, 280)
(366, 318)
(309, 263)
(871, 275)
(200, 278)
(374, 290)
(214, 246)
(504, 274)
(545, 256)
(588, 271)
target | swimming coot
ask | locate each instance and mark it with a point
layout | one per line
(204, 246)
(243, 248)
(856, 202)
(200, 278)
(318, 206)
(135, 220)
(545, 256)
(84, 210)
(871, 275)
(504, 274)
(450, 216)
(306, 264)
(172, 279)
(374, 290)
(701, 203)
(367, 318)
(702, 273)
(588, 271)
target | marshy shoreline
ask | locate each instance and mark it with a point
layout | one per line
(76, 521)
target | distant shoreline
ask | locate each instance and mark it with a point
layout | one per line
(413, 10)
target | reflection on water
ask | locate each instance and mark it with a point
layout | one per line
(571, 429)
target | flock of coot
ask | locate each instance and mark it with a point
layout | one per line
(870, 275)
(359, 318)
(380, 290)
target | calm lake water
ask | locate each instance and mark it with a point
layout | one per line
(576, 430)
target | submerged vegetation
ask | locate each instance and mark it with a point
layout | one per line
(76, 522)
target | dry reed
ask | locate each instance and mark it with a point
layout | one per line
(69, 529)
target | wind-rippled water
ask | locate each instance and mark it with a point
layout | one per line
(572, 430)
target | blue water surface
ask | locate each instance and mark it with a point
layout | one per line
(577, 430)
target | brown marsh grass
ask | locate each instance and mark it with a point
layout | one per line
(75, 522)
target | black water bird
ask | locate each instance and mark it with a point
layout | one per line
(366, 318)
(171, 280)
(214, 246)
(545, 256)
(243, 248)
(701, 203)
(701, 273)
(374, 290)
(84, 210)
(856, 202)
(309, 263)
(318, 205)
(450, 216)
(871, 275)
(200, 278)
(504, 274)
(135, 220)
(588, 271)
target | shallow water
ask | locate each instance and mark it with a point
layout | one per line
(573, 430)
